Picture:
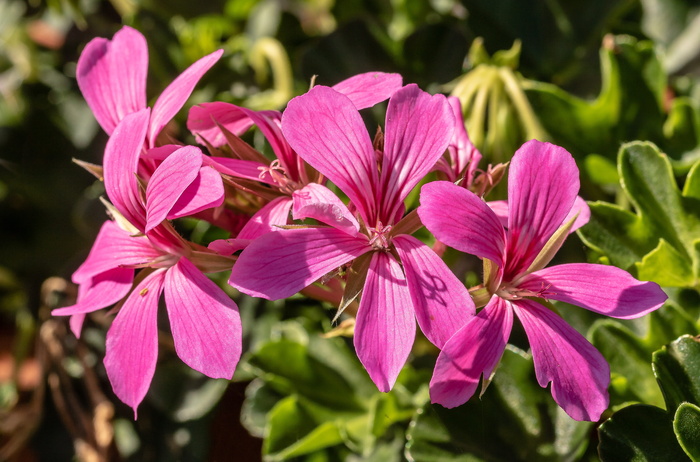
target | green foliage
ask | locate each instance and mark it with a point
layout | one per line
(312, 395)
(644, 432)
(513, 408)
(661, 239)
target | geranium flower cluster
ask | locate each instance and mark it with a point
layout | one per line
(330, 207)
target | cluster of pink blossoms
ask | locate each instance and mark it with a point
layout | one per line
(289, 230)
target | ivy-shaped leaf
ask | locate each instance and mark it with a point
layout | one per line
(639, 433)
(686, 425)
(661, 238)
(648, 433)
(628, 106)
(677, 368)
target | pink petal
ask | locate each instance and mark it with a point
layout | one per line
(584, 214)
(228, 246)
(268, 218)
(268, 122)
(169, 181)
(132, 342)
(542, 187)
(113, 248)
(500, 208)
(464, 155)
(205, 192)
(76, 324)
(278, 265)
(326, 130)
(103, 290)
(473, 351)
(460, 219)
(176, 94)
(204, 321)
(318, 202)
(578, 372)
(112, 76)
(366, 90)
(121, 161)
(600, 288)
(385, 328)
(247, 169)
(441, 301)
(204, 120)
(418, 130)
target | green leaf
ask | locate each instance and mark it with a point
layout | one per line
(291, 368)
(182, 393)
(601, 170)
(665, 266)
(662, 235)
(617, 233)
(677, 368)
(629, 105)
(293, 432)
(313, 396)
(681, 127)
(686, 425)
(260, 398)
(691, 189)
(648, 179)
(639, 433)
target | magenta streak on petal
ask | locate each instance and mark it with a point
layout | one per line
(460, 219)
(278, 265)
(542, 187)
(325, 129)
(385, 327)
(204, 321)
(418, 130)
(132, 342)
(442, 303)
(578, 372)
(473, 351)
(600, 288)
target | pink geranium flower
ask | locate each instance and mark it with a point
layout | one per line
(542, 191)
(288, 172)
(405, 280)
(112, 77)
(204, 321)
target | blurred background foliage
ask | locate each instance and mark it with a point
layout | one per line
(588, 75)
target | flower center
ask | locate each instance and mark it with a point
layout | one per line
(508, 292)
(379, 236)
(279, 176)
